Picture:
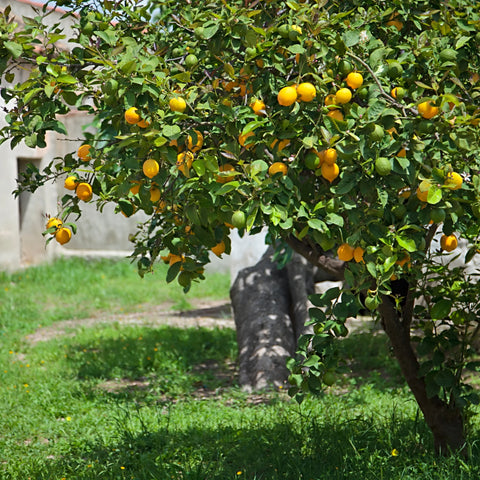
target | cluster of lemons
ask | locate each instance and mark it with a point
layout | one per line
(62, 234)
(83, 190)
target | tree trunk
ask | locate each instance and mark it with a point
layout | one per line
(269, 315)
(270, 310)
(445, 421)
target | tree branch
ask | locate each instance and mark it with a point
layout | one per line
(382, 91)
(317, 257)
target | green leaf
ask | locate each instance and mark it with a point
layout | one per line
(441, 309)
(173, 271)
(14, 48)
(171, 131)
(296, 48)
(351, 38)
(445, 378)
(434, 195)
(317, 224)
(334, 219)
(64, 78)
(461, 42)
(210, 31)
(407, 243)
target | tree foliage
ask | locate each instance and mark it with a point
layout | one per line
(235, 150)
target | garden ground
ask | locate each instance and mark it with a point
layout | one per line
(102, 379)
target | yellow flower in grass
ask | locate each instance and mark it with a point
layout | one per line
(395, 452)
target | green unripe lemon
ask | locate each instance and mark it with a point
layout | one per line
(377, 133)
(371, 303)
(238, 219)
(399, 211)
(198, 32)
(284, 30)
(312, 161)
(191, 60)
(329, 379)
(437, 215)
(448, 55)
(395, 69)
(383, 166)
(345, 67)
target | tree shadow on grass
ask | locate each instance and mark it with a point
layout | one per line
(169, 433)
(269, 445)
(165, 360)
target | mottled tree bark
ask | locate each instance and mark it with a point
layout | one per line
(270, 307)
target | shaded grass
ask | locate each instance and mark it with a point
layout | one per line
(132, 402)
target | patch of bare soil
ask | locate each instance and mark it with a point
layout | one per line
(212, 314)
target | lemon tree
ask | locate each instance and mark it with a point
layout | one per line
(349, 127)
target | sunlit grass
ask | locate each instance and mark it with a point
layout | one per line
(113, 401)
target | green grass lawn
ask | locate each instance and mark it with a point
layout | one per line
(132, 402)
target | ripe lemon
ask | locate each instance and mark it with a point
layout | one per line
(84, 191)
(448, 242)
(422, 190)
(336, 115)
(218, 249)
(54, 222)
(427, 110)
(143, 123)
(172, 258)
(225, 168)
(131, 116)
(329, 156)
(184, 162)
(177, 104)
(405, 259)
(330, 99)
(258, 106)
(135, 188)
(193, 145)
(354, 80)
(344, 95)
(345, 252)
(71, 183)
(306, 92)
(358, 254)
(83, 152)
(280, 145)
(155, 194)
(287, 96)
(330, 172)
(405, 192)
(277, 167)
(453, 181)
(63, 235)
(242, 139)
(395, 23)
(398, 93)
(150, 168)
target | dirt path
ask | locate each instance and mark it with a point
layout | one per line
(203, 314)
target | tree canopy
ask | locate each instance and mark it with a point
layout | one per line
(349, 126)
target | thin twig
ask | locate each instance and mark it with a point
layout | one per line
(382, 91)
